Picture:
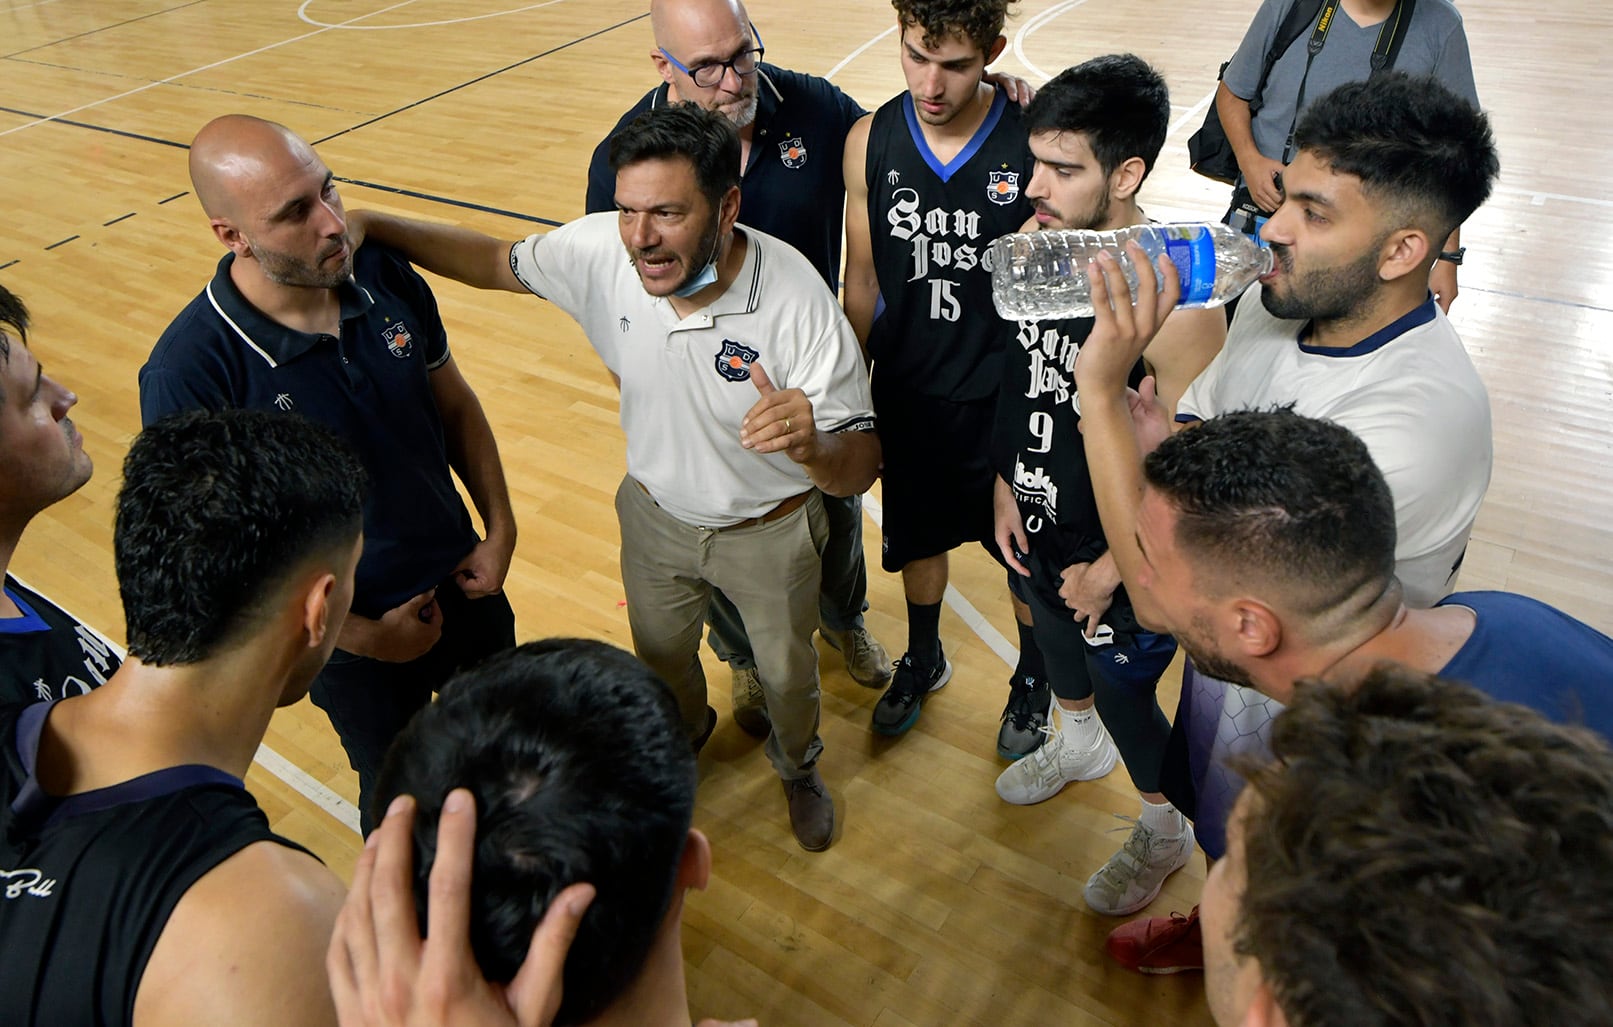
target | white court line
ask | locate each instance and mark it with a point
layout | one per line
(193, 71)
(302, 12)
(960, 605)
(858, 52)
(312, 789)
(1192, 114)
(24, 7)
(1031, 26)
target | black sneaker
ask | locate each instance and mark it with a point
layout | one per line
(1024, 718)
(898, 709)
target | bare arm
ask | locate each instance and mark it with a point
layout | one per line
(244, 944)
(473, 454)
(862, 284)
(458, 253)
(1114, 456)
(1258, 169)
(1183, 348)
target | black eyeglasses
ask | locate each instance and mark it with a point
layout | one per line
(711, 73)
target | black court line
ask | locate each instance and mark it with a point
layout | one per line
(64, 242)
(482, 78)
(108, 224)
(395, 190)
(9, 263)
(96, 128)
(103, 28)
(1536, 299)
(449, 201)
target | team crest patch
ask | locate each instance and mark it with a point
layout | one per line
(733, 361)
(399, 342)
(792, 152)
(1002, 187)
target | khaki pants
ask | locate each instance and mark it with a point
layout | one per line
(771, 574)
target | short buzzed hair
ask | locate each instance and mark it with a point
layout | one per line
(1273, 496)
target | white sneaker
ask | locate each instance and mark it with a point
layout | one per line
(1040, 774)
(1133, 876)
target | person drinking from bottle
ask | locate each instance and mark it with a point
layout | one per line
(1343, 328)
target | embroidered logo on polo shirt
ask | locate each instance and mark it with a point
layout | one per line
(283, 401)
(399, 342)
(734, 359)
(792, 152)
(624, 324)
(1002, 187)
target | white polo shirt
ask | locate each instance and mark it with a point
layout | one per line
(1410, 392)
(686, 383)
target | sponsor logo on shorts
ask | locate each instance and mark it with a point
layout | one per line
(734, 360)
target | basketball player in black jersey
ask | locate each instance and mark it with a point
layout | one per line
(932, 178)
(44, 652)
(143, 883)
(1095, 131)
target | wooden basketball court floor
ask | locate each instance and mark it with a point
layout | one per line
(938, 904)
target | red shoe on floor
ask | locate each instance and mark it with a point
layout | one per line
(1159, 945)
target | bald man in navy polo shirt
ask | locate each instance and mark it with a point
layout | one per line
(294, 321)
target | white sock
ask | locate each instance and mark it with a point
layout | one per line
(1163, 819)
(1079, 727)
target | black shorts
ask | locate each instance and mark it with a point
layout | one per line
(937, 482)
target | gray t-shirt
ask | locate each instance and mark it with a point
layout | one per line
(1435, 44)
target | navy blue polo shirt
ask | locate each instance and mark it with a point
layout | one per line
(371, 386)
(793, 188)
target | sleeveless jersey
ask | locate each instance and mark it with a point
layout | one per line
(87, 883)
(931, 225)
(46, 654)
(1036, 448)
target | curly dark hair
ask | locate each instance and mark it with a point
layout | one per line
(979, 21)
(1418, 854)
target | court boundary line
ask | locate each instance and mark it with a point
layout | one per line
(91, 32)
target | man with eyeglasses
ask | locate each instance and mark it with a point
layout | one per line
(792, 132)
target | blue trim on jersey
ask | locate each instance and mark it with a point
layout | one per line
(1188, 418)
(29, 623)
(945, 171)
(34, 804)
(1378, 339)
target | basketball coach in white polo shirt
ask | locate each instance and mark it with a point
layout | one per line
(743, 387)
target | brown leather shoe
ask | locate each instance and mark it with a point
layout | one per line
(812, 812)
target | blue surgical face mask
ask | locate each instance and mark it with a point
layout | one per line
(707, 275)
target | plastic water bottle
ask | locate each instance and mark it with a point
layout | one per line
(1040, 275)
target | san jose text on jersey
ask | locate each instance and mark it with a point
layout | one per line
(931, 226)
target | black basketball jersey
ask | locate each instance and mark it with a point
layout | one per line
(1037, 449)
(931, 226)
(87, 883)
(46, 654)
